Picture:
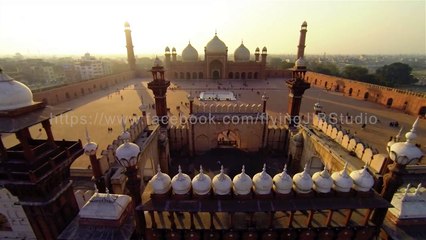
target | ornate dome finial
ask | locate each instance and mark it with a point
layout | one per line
(158, 168)
(411, 135)
(243, 169)
(398, 136)
(87, 135)
(417, 192)
(179, 169)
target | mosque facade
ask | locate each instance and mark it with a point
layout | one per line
(216, 63)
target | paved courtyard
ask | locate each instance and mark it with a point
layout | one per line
(104, 109)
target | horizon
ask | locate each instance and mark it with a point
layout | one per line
(63, 28)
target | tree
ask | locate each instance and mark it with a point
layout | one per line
(275, 63)
(325, 68)
(395, 74)
(358, 73)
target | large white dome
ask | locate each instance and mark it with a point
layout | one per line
(242, 183)
(189, 54)
(262, 182)
(13, 94)
(222, 183)
(283, 182)
(342, 181)
(201, 184)
(216, 46)
(181, 183)
(242, 54)
(160, 182)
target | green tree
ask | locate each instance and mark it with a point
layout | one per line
(287, 65)
(275, 62)
(395, 74)
(325, 68)
(358, 73)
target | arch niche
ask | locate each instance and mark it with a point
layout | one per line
(389, 102)
(216, 69)
(228, 138)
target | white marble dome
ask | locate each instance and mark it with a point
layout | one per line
(181, 183)
(303, 181)
(363, 181)
(300, 63)
(342, 182)
(322, 181)
(127, 153)
(189, 54)
(160, 182)
(201, 183)
(242, 54)
(406, 152)
(13, 94)
(90, 148)
(216, 46)
(262, 182)
(222, 183)
(242, 183)
(282, 182)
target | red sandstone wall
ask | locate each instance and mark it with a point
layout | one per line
(407, 101)
(75, 90)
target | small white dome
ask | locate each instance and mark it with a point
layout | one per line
(262, 182)
(201, 184)
(127, 153)
(189, 54)
(242, 54)
(242, 183)
(90, 148)
(303, 181)
(264, 50)
(342, 182)
(160, 182)
(406, 152)
(222, 183)
(216, 46)
(363, 181)
(181, 183)
(300, 63)
(322, 181)
(283, 182)
(13, 94)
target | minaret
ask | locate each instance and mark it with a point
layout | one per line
(301, 47)
(256, 54)
(174, 55)
(167, 55)
(297, 87)
(159, 87)
(264, 54)
(129, 45)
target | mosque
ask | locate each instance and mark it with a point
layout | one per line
(331, 185)
(217, 65)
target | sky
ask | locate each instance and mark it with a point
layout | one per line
(73, 27)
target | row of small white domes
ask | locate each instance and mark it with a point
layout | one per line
(262, 183)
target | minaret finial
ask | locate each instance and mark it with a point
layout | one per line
(417, 192)
(179, 169)
(87, 135)
(215, 32)
(411, 135)
(158, 168)
(243, 169)
(123, 123)
(264, 167)
(398, 136)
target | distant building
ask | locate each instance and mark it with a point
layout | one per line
(89, 67)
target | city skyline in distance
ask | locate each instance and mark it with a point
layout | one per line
(334, 27)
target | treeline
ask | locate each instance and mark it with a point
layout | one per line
(395, 74)
(392, 75)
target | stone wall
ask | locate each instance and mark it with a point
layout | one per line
(71, 91)
(410, 102)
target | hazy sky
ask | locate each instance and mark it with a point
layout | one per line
(96, 26)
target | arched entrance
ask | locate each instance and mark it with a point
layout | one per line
(216, 69)
(366, 95)
(228, 138)
(422, 111)
(389, 102)
(231, 75)
(350, 91)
